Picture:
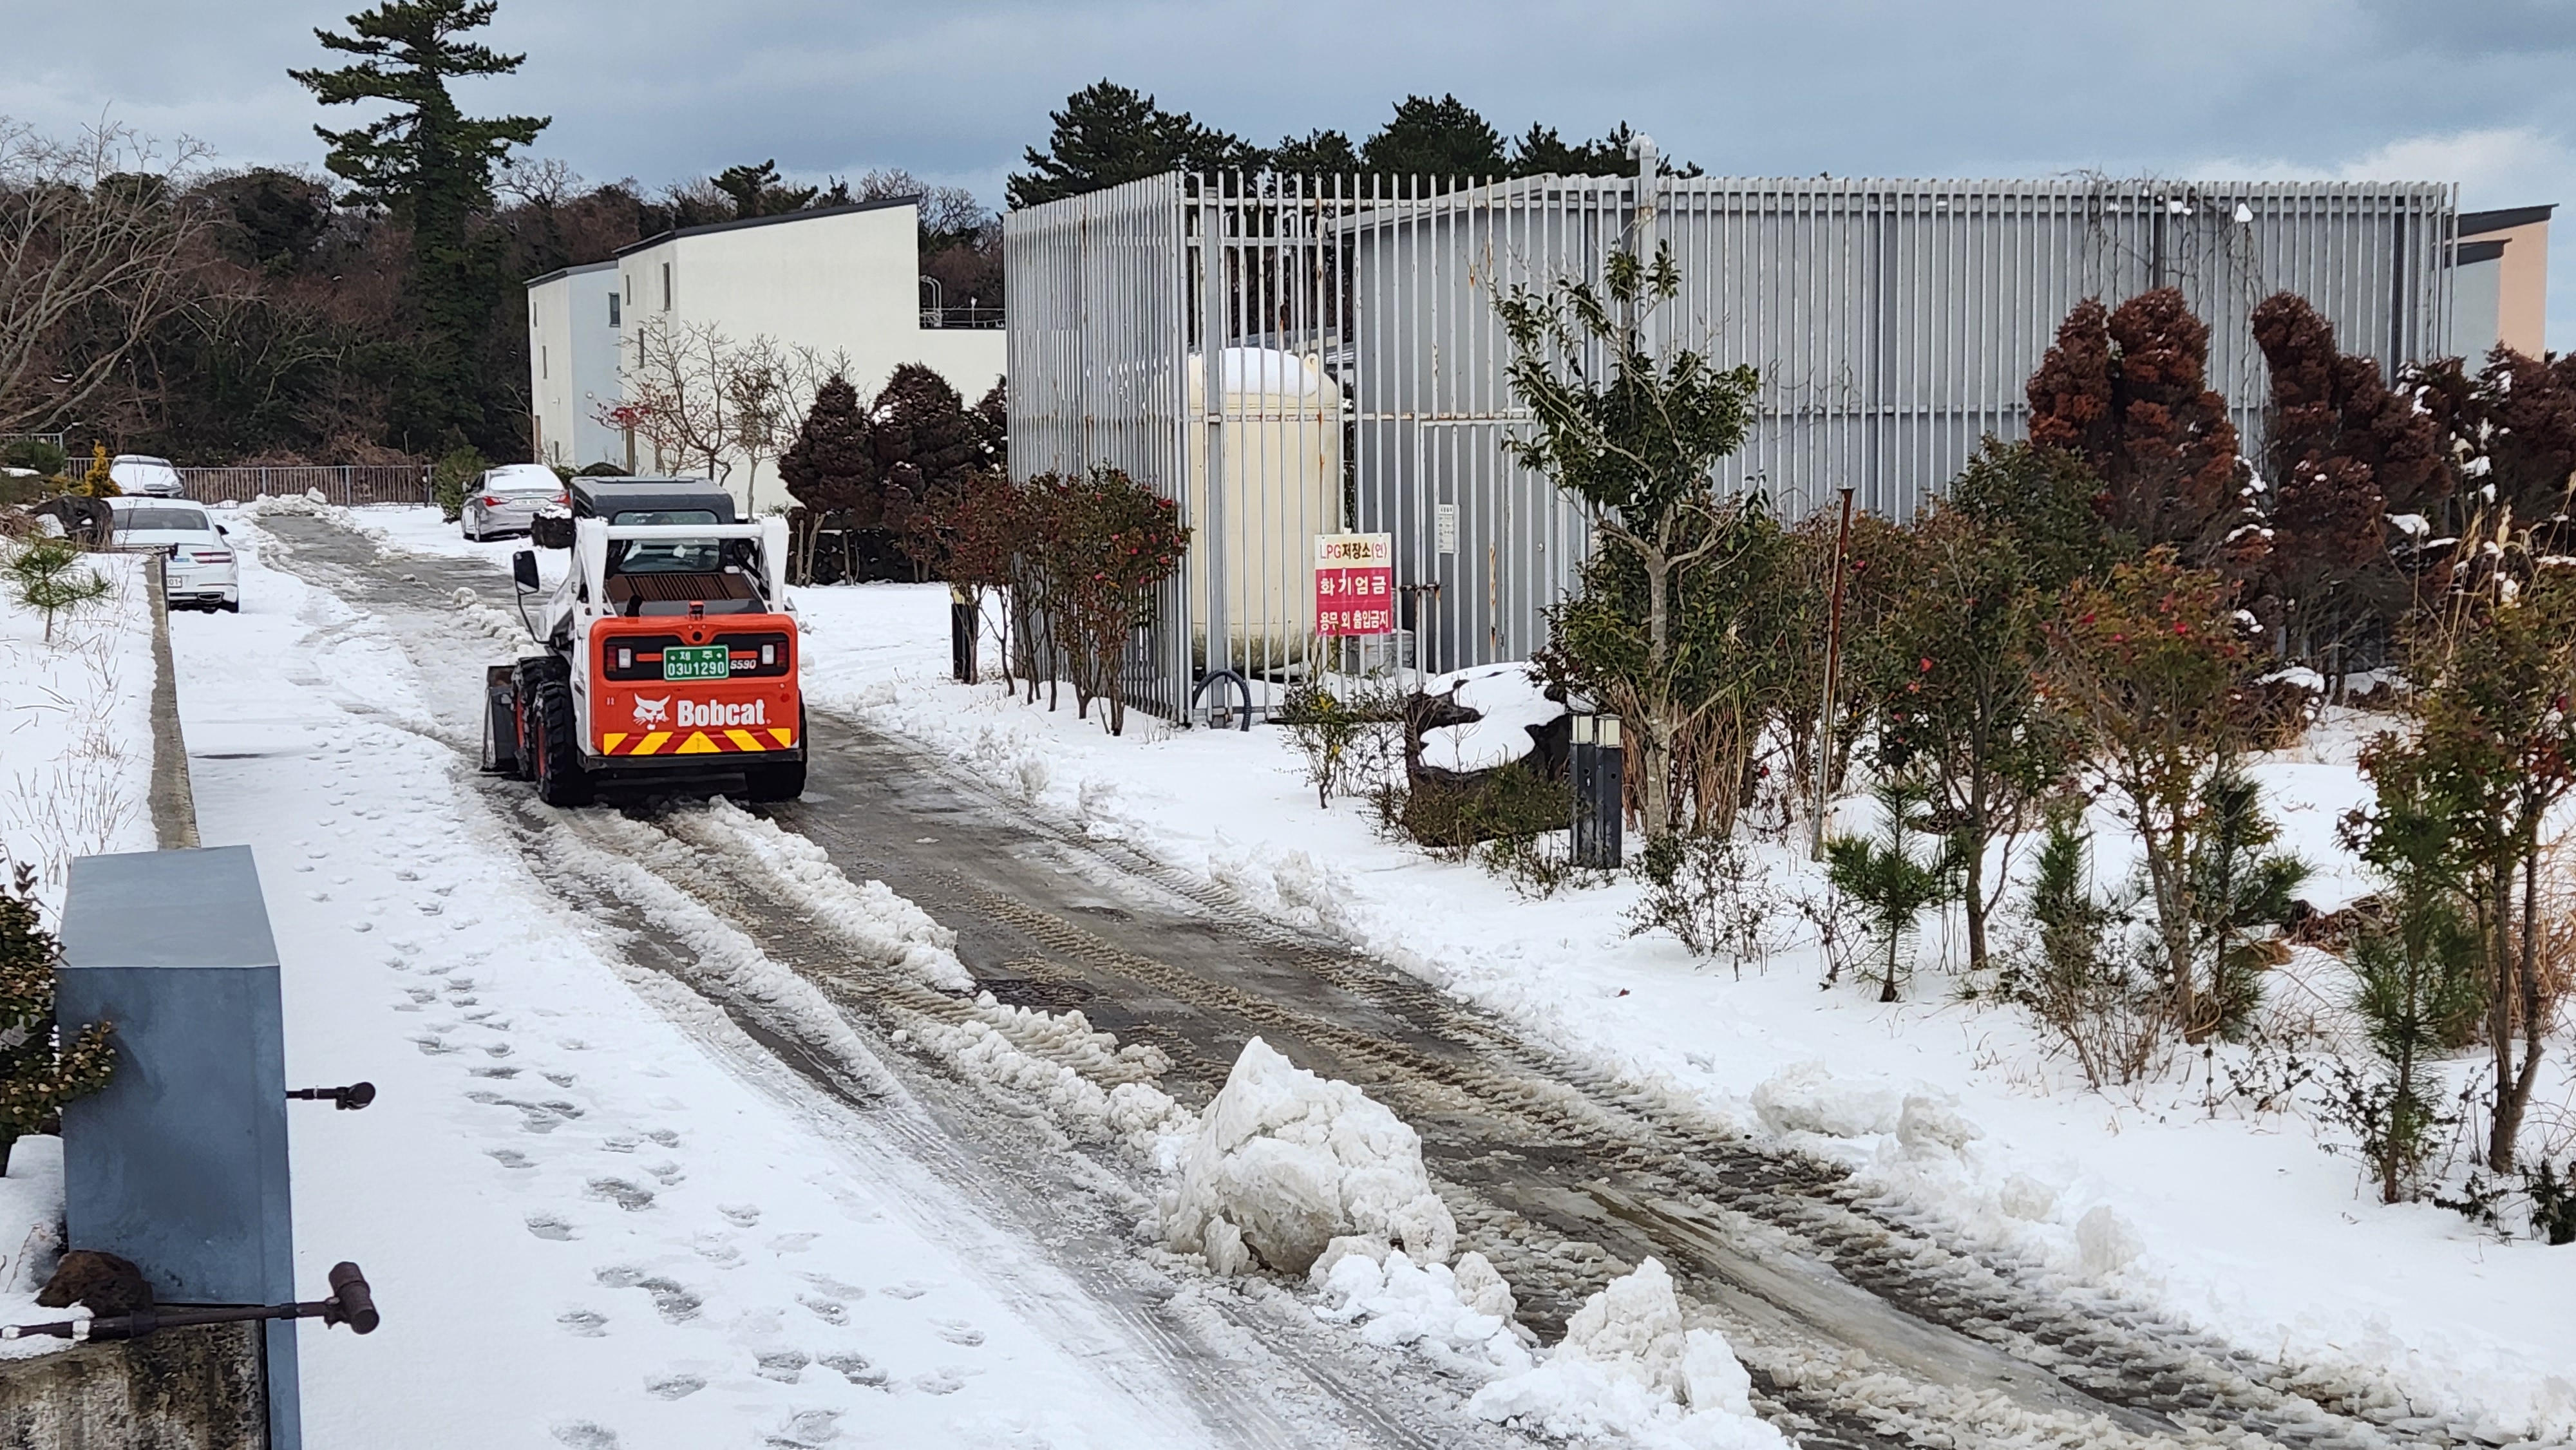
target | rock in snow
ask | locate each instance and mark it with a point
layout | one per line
(1285, 1162)
(1629, 1367)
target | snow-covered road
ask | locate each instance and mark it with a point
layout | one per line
(741, 986)
(597, 1212)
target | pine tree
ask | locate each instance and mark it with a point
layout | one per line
(430, 165)
(1317, 153)
(831, 470)
(1442, 138)
(757, 191)
(921, 439)
(1108, 134)
(2344, 453)
(39, 1072)
(47, 575)
(2239, 887)
(2127, 391)
(2416, 970)
(1893, 884)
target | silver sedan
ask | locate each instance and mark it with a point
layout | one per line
(505, 499)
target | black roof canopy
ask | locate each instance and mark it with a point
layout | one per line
(606, 498)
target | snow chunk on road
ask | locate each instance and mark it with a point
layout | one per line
(1808, 1098)
(1285, 1162)
(1629, 1367)
(1461, 1319)
(886, 928)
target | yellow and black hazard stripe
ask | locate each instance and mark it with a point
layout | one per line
(696, 742)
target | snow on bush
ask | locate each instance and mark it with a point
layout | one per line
(1512, 706)
(1285, 1162)
(1628, 1366)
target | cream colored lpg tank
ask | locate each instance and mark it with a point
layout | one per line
(1282, 483)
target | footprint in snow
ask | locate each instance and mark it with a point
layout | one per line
(830, 1311)
(909, 1289)
(856, 1369)
(743, 1214)
(834, 1287)
(792, 1243)
(504, 1073)
(433, 1047)
(669, 1174)
(673, 1386)
(782, 1365)
(716, 1249)
(548, 1226)
(945, 1380)
(671, 1299)
(621, 1143)
(508, 1157)
(958, 1331)
(586, 1435)
(663, 1136)
(584, 1322)
(560, 1079)
(628, 1196)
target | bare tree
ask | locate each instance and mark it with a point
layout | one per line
(700, 399)
(95, 237)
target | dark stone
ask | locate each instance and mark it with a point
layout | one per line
(100, 1282)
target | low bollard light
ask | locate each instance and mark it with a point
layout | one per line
(1599, 769)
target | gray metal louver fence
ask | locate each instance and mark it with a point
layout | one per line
(1345, 330)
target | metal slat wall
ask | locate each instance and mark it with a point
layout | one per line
(1894, 323)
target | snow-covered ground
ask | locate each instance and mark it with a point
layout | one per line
(76, 727)
(2179, 1193)
(594, 1214)
(75, 780)
(2236, 1220)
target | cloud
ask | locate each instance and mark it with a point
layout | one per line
(2496, 167)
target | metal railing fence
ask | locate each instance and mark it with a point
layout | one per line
(346, 484)
(1289, 356)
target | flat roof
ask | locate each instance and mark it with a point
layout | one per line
(882, 203)
(562, 272)
(2473, 223)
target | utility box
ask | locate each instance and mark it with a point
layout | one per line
(179, 1163)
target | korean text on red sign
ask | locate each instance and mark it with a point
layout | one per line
(1354, 584)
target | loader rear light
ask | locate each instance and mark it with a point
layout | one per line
(625, 658)
(769, 654)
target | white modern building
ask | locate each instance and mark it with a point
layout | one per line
(573, 329)
(842, 281)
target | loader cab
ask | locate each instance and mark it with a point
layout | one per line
(671, 576)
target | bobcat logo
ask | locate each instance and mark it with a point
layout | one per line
(652, 712)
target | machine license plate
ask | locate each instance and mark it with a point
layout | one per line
(696, 662)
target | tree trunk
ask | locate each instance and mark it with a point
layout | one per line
(1660, 730)
(2165, 868)
(1976, 863)
(2507, 1122)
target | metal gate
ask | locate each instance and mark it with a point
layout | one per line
(1289, 356)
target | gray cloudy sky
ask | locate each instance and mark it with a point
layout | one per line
(2473, 91)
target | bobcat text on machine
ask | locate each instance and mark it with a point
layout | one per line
(669, 658)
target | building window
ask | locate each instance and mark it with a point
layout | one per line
(541, 364)
(612, 309)
(629, 279)
(666, 286)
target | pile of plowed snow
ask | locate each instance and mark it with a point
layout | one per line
(1629, 1367)
(1301, 1174)
(1285, 1162)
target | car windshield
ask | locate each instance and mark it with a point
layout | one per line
(163, 520)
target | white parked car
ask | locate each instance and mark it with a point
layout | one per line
(146, 476)
(506, 498)
(197, 569)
